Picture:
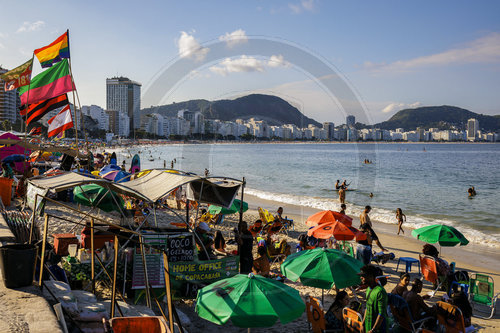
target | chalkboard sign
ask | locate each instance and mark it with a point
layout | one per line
(180, 247)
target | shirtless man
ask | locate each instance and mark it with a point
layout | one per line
(342, 195)
(364, 218)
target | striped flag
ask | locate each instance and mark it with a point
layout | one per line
(35, 131)
(60, 122)
(54, 52)
(50, 83)
(35, 112)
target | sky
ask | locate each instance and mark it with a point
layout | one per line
(327, 58)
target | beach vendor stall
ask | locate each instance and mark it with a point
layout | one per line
(162, 257)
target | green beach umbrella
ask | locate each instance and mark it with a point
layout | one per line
(322, 268)
(235, 208)
(94, 195)
(249, 301)
(439, 233)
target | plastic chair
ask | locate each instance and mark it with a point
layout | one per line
(401, 313)
(315, 315)
(450, 317)
(429, 271)
(353, 321)
(347, 248)
(139, 325)
(481, 290)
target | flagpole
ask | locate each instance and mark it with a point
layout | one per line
(79, 105)
(74, 102)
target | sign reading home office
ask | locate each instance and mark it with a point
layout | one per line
(188, 276)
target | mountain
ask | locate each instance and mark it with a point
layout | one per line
(442, 117)
(274, 110)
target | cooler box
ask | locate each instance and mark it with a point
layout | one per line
(100, 238)
(61, 242)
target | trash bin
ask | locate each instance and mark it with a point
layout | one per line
(17, 262)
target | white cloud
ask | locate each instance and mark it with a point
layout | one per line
(239, 65)
(28, 26)
(278, 61)
(246, 64)
(394, 107)
(189, 47)
(298, 8)
(236, 37)
(482, 50)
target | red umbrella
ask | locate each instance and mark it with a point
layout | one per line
(336, 229)
(328, 216)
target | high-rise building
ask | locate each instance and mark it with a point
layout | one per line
(8, 101)
(124, 95)
(330, 130)
(472, 129)
(350, 121)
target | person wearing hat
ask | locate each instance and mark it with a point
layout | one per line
(203, 241)
(375, 318)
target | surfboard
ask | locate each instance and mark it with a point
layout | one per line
(136, 164)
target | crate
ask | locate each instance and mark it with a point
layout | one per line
(61, 242)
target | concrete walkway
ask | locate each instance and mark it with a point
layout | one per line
(23, 310)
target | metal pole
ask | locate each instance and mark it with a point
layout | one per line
(42, 260)
(241, 203)
(168, 291)
(115, 269)
(92, 258)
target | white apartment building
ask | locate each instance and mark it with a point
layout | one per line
(124, 95)
(8, 101)
(98, 114)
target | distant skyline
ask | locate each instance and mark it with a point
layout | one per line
(392, 54)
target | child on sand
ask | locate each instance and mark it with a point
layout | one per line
(401, 218)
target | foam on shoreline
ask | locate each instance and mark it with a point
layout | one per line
(378, 214)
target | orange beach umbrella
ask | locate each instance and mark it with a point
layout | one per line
(336, 229)
(328, 216)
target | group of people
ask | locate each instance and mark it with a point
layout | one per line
(341, 188)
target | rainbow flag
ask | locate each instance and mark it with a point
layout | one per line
(54, 52)
(50, 83)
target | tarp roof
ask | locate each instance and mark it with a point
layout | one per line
(66, 150)
(153, 186)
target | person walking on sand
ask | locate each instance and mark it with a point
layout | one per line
(364, 218)
(401, 218)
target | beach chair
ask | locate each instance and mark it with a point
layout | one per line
(353, 321)
(450, 318)
(270, 222)
(316, 316)
(428, 267)
(402, 315)
(481, 290)
(347, 248)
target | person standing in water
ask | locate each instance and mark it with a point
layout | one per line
(342, 195)
(337, 185)
(401, 218)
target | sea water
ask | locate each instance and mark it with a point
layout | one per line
(428, 182)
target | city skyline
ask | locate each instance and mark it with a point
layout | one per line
(388, 63)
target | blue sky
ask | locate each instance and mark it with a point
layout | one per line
(391, 54)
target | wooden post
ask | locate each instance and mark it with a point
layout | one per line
(32, 227)
(42, 260)
(168, 292)
(187, 211)
(145, 269)
(92, 258)
(241, 203)
(115, 269)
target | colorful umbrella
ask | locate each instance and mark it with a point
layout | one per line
(439, 233)
(336, 229)
(322, 268)
(249, 301)
(235, 208)
(328, 216)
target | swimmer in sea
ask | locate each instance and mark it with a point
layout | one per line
(471, 191)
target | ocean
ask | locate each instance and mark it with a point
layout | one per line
(428, 181)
